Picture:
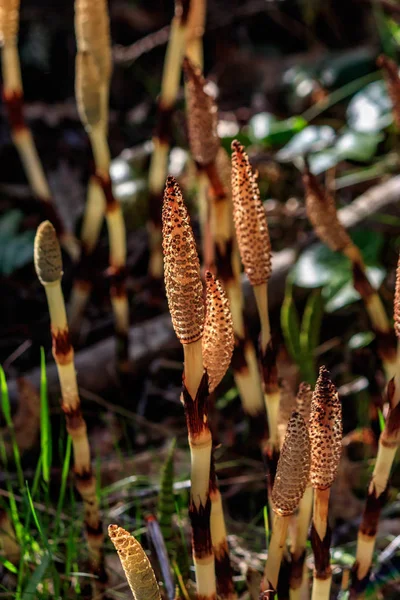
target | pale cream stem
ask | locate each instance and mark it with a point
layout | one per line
(11, 68)
(320, 514)
(383, 465)
(303, 521)
(275, 550)
(261, 296)
(193, 366)
(321, 589)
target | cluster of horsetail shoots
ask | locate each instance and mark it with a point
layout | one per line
(298, 546)
(291, 479)
(321, 211)
(326, 446)
(185, 300)
(13, 96)
(48, 265)
(93, 72)
(255, 251)
(389, 442)
(206, 333)
(137, 568)
(213, 165)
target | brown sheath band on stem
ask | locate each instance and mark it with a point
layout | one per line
(200, 522)
(322, 558)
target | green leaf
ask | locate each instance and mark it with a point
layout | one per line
(318, 266)
(361, 340)
(311, 323)
(346, 294)
(354, 145)
(370, 110)
(6, 408)
(9, 224)
(282, 131)
(37, 576)
(291, 325)
(260, 126)
(311, 139)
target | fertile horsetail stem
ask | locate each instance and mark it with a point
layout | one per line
(255, 251)
(218, 338)
(321, 211)
(298, 548)
(389, 442)
(92, 89)
(391, 74)
(13, 96)
(138, 570)
(326, 446)
(290, 482)
(48, 265)
(185, 300)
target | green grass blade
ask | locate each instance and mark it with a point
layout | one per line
(6, 408)
(291, 325)
(64, 479)
(266, 524)
(29, 592)
(45, 425)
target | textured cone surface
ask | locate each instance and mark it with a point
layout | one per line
(47, 254)
(287, 404)
(87, 89)
(325, 432)
(9, 18)
(202, 116)
(303, 400)
(391, 74)
(92, 29)
(218, 339)
(321, 211)
(135, 563)
(293, 469)
(181, 267)
(250, 219)
(396, 311)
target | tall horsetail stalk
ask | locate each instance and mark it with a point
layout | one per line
(93, 72)
(185, 299)
(162, 133)
(321, 211)
(326, 447)
(13, 96)
(206, 334)
(138, 570)
(291, 479)
(255, 251)
(298, 550)
(391, 74)
(212, 160)
(389, 442)
(48, 265)
(218, 342)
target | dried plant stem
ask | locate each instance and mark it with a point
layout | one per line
(320, 540)
(195, 31)
(223, 570)
(389, 441)
(275, 551)
(76, 426)
(298, 549)
(49, 269)
(13, 96)
(8, 542)
(162, 134)
(375, 308)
